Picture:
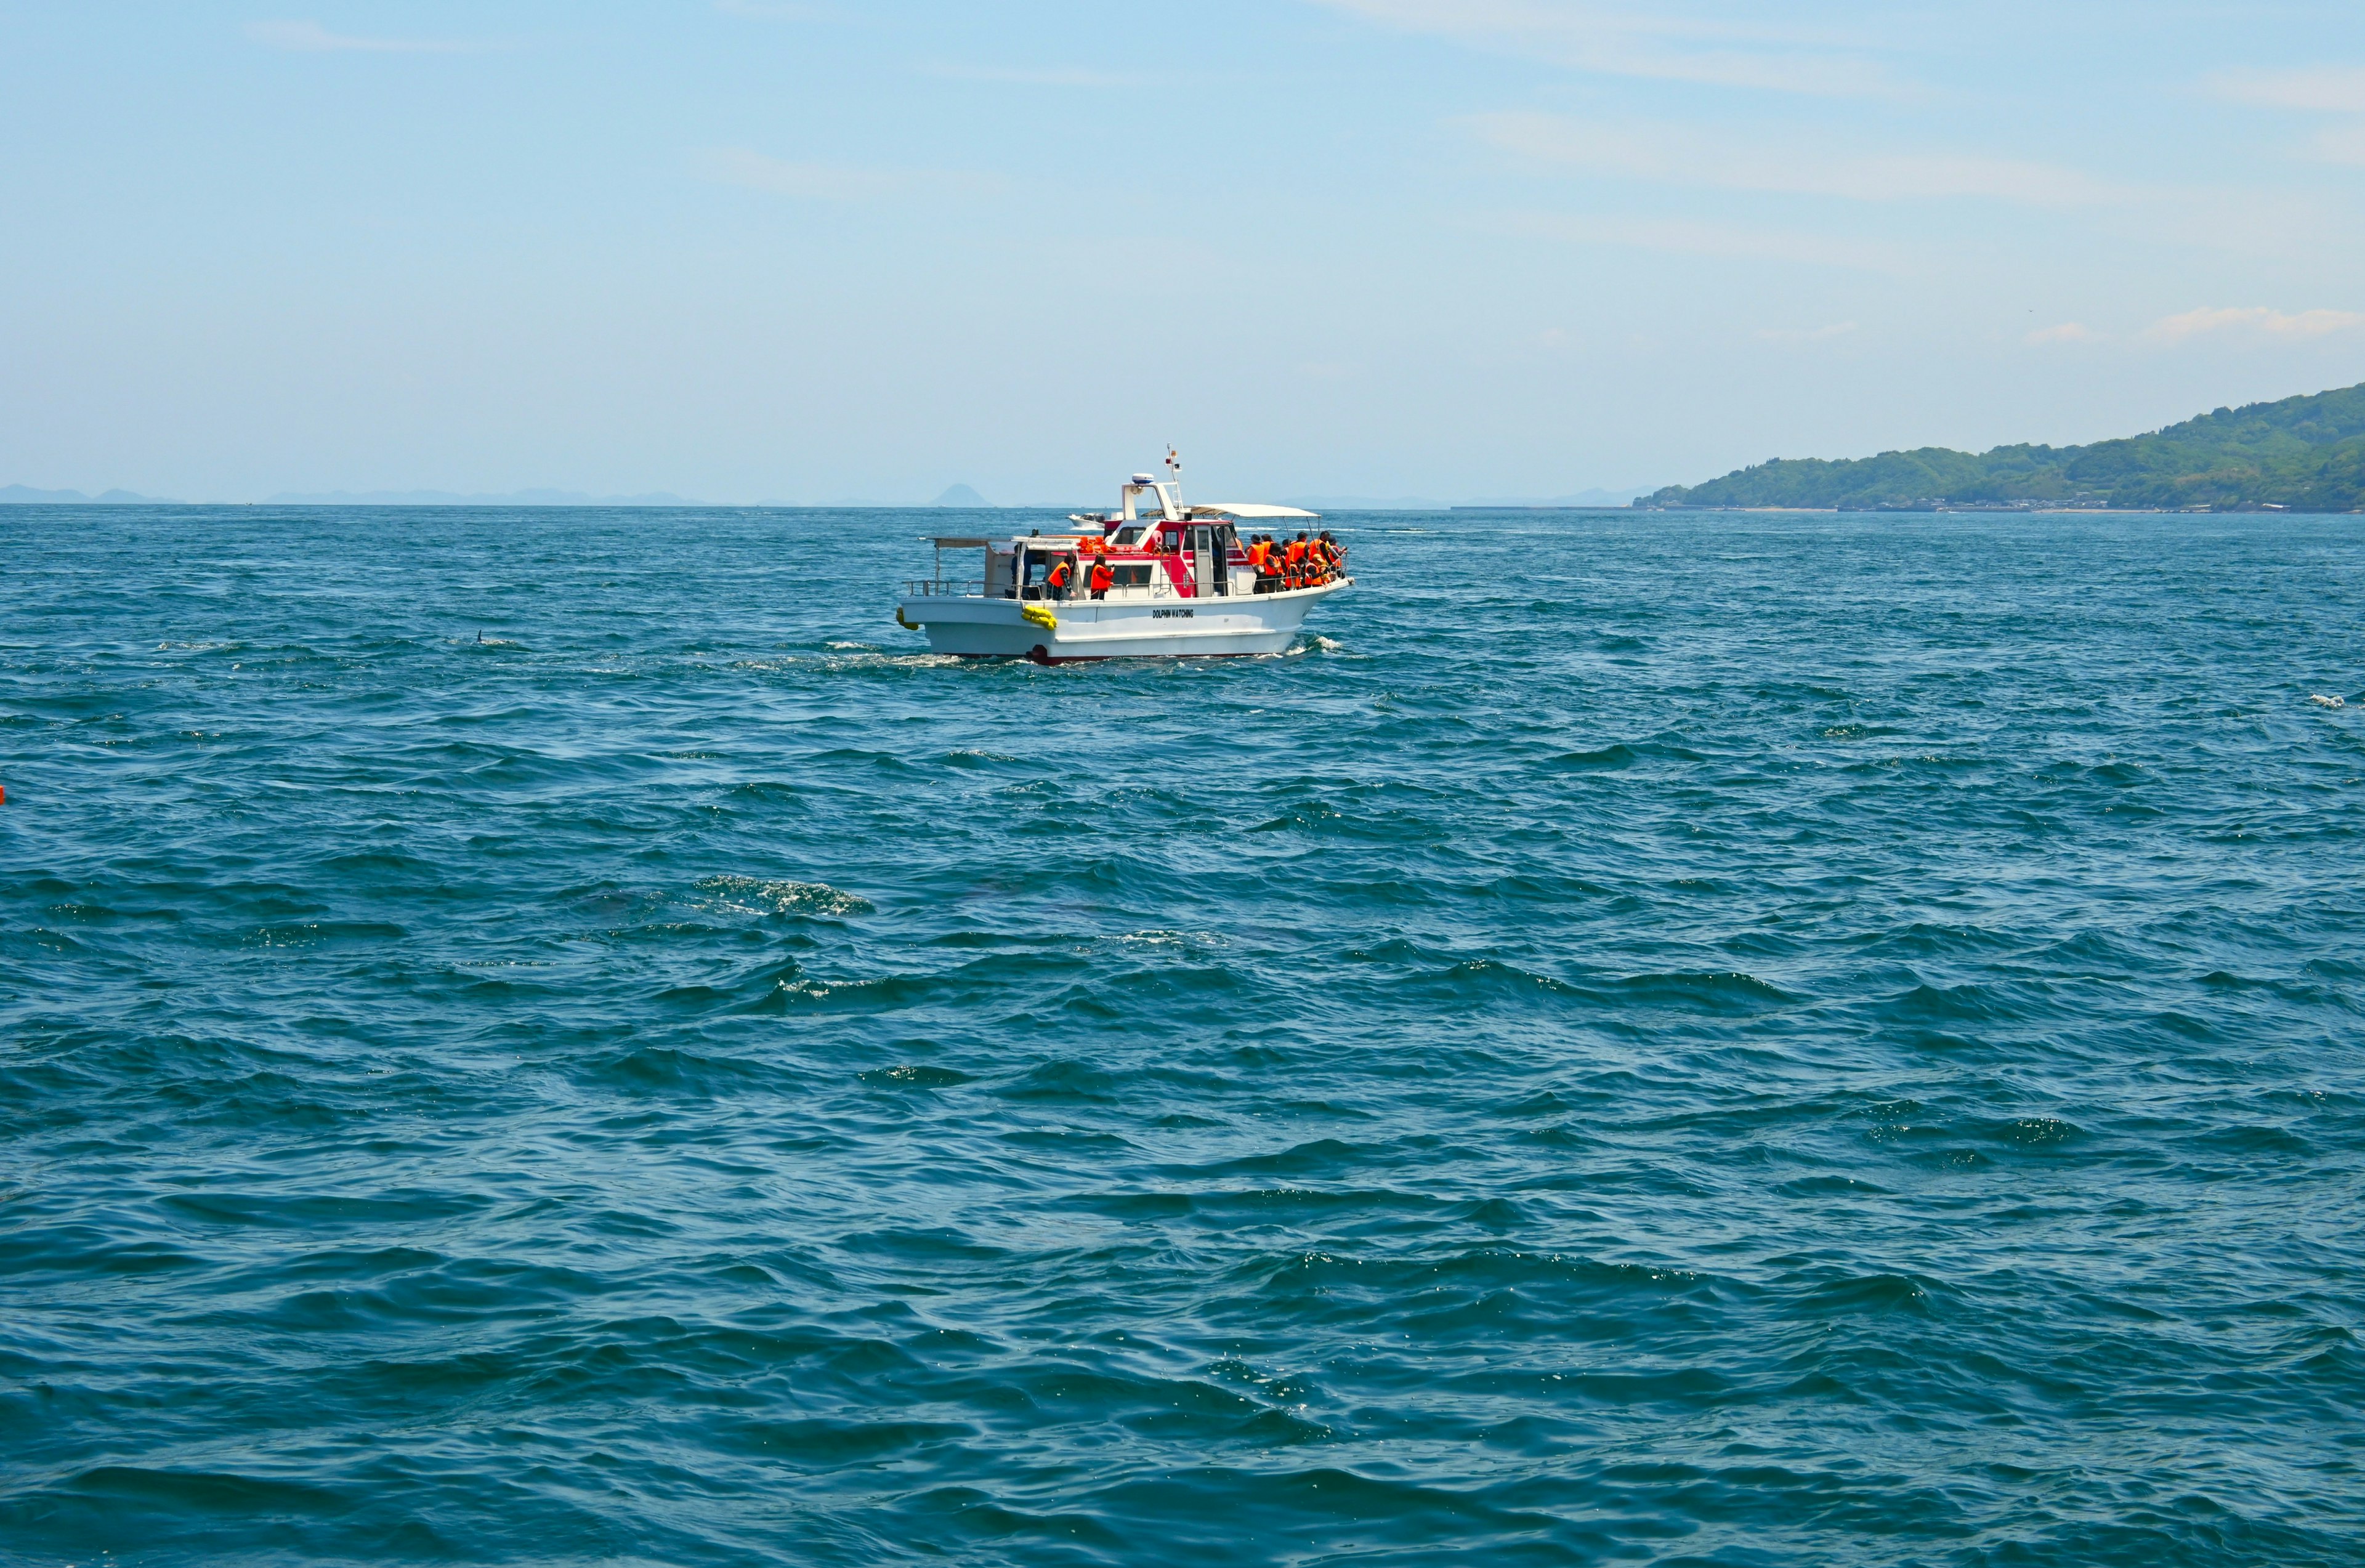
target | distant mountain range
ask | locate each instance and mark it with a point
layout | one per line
(26, 496)
(964, 496)
(1578, 501)
(2299, 454)
(1583, 500)
(452, 498)
(957, 496)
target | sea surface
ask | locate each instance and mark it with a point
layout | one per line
(547, 1037)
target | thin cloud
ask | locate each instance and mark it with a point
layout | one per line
(2067, 333)
(1734, 241)
(2345, 145)
(2254, 318)
(1673, 154)
(1630, 41)
(2325, 89)
(2329, 90)
(311, 38)
(832, 182)
(1804, 334)
(1054, 76)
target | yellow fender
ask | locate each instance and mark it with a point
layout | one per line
(1040, 617)
(906, 625)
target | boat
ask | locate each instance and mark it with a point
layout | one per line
(1183, 584)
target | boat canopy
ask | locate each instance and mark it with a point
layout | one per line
(945, 543)
(1249, 509)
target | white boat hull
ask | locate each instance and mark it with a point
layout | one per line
(1115, 628)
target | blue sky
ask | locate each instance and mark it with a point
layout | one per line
(808, 250)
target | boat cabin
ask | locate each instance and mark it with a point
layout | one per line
(1155, 548)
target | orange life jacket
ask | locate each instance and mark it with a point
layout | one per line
(1058, 576)
(1102, 578)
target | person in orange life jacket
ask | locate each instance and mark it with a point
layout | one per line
(1102, 578)
(1062, 575)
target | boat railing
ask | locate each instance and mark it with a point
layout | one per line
(1158, 586)
(1155, 587)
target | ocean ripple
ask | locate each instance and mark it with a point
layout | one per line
(552, 1037)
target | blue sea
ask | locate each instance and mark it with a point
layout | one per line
(548, 1036)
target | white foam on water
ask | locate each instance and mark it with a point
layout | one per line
(757, 895)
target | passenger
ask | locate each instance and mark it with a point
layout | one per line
(1102, 578)
(1061, 576)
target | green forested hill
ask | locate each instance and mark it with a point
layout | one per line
(2306, 453)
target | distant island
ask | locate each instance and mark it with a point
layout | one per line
(2299, 454)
